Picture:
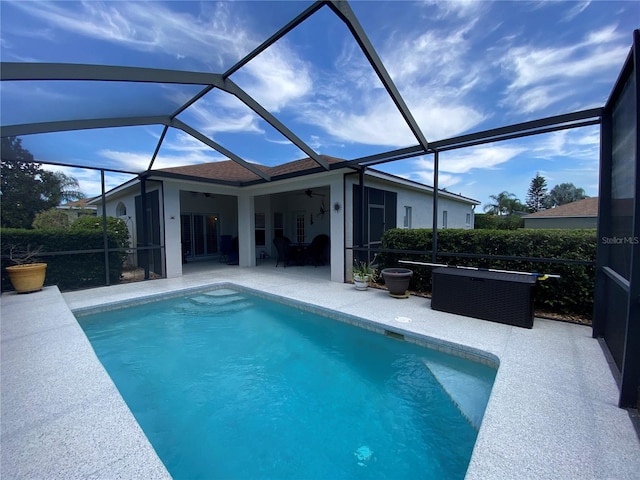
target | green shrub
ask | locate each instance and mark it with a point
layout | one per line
(69, 271)
(52, 219)
(570, 294)
(116, 227)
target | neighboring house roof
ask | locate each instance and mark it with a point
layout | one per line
(82, 203)
(581, 208)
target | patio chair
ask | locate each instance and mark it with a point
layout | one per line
(225, 248)
(284, 253)
(234, 254)
(318, 249)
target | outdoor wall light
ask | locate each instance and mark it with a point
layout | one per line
(336, 207)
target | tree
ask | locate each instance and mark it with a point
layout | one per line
(69, 188)
(537, 193)
(26, 188)
(504, 203)
(564, 193)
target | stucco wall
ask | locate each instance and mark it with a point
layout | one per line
(286, 197)
(421, 202)
(419, 199)
(128, 200)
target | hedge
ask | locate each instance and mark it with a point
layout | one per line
(497, 222)
(570, 294)
(70, 271)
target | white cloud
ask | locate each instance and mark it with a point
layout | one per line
(214, 36)
(212, 119)
(445, 180)
(464, 160)
(456, 8)
(134, 161)
(576, 10)
(277, 77)
(90, 180)
(542, 76)
(177, 150)
(433, 74)
(217, 37)
(572, 145)
(538, 98)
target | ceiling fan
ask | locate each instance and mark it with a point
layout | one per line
(310, 193)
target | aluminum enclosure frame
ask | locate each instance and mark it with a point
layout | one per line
(10, 71)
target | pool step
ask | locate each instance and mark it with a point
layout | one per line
(466, 391)
(217, 302)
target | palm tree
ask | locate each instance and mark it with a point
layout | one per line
(69, 187)
(504, 203)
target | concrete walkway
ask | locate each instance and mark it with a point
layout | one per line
(552, 412)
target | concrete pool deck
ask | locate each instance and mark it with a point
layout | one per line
(552, 411)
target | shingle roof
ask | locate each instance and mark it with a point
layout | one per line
(581, 208)
(230, 171)
(82, 203)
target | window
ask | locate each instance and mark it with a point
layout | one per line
(278, 225)
(444, 219)
(121, 210)
(407, 217)
(468, 221)
(260, 230)
(299, 217)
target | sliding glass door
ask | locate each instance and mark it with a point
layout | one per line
(199, 234)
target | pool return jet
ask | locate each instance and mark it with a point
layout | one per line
(539, 276)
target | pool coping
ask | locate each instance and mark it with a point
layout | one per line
(552, 411)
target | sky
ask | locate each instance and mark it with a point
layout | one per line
(460, 66)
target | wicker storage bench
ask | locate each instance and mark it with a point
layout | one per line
(499, 297)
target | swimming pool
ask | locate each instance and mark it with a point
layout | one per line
(226, 384)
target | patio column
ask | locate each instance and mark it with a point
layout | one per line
(337, 234)
(246, 231)
(172, 241)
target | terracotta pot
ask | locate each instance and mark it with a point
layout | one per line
(397, 281)
(28, 277)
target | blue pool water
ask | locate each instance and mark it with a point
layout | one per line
(232, 386)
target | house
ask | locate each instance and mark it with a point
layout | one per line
(578, 214)
(192, 209)
(78, 208)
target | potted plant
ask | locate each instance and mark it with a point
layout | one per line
(26, 272)
(363, 272)
(397, 281)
